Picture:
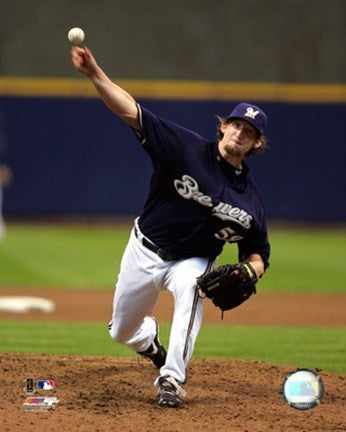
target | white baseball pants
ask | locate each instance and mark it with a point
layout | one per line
(143, 275)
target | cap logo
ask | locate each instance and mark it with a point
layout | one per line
(250, 112)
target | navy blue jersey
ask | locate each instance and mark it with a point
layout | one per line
(2, 137)
(197, 201)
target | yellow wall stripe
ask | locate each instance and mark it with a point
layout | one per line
(178, 90)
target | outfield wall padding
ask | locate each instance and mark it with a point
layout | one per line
(72, 156)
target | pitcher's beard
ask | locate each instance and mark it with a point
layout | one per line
(233, 152)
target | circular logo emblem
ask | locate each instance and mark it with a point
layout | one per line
(303, 389)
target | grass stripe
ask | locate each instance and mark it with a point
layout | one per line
(322, 347)
(89, 258)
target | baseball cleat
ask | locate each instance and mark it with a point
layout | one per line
(156, 352)
(170, 392)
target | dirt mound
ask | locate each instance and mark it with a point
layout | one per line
(116, 394)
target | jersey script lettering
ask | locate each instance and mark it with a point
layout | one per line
(188, 188)
(227, 212)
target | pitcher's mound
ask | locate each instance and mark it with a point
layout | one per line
(117, 394)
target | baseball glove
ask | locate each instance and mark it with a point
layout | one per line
(228, 286)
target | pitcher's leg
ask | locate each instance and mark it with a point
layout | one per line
(187, 316)
(134, 299)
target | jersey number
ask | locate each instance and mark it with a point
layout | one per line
(227, 234)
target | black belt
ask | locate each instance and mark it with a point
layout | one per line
(160, 252)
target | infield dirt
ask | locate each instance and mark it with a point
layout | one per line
(262, 309)
(117, 394)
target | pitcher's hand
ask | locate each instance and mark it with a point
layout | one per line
(83, 60)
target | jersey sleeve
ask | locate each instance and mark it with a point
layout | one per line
(164, 140)
(256, 243)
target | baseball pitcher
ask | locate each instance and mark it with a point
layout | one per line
(201, 197)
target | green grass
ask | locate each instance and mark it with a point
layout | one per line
(61, 256)
(89, 257)
(323, 348)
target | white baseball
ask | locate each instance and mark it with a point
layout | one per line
(76, 35)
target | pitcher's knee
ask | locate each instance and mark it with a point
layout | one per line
(117, 333)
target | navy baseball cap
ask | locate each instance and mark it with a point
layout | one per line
(252, 114)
